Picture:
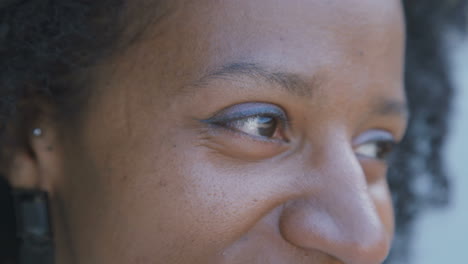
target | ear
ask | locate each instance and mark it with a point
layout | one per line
(33, 160)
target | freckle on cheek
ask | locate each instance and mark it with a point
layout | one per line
(124, 178)
(162, 183)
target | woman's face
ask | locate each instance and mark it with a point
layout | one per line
(237, 132)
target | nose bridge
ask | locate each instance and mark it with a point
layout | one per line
(340, 219)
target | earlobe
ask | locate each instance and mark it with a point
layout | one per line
(31, 170)
(30, 163)
(23, 171)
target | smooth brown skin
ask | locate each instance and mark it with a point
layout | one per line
(141, 179)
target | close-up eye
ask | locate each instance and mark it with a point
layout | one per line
(259, 120)
(375, 144)
(380, 149)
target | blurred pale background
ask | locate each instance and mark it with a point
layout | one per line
(442, 235)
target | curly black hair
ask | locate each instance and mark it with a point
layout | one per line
(418, 178)
(47, 45)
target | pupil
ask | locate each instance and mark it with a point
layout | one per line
(266, 126)
(385, 148)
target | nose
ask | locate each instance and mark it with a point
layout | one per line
(335, 213)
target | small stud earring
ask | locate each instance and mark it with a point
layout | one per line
(37, 132)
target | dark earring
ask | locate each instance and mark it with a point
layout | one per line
(33, 227)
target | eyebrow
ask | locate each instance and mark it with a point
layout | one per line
(386, 106)
(293, 84)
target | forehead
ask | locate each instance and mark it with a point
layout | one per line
(270, 24)
(352, 43)
(304, 32)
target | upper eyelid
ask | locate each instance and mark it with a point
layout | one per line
(374, 135)
(222, 116)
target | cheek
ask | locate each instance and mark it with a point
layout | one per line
(196, 194)
(169, 195)
(380, 194)
(236, 146)
(379, 191)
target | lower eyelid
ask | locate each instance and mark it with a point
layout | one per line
(240, 146)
